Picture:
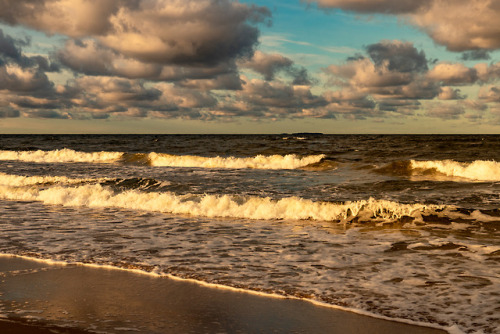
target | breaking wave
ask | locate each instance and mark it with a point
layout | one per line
(63, 155)
(479, 170)
(290, 161)
(230, 206)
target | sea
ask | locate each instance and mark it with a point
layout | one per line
(397, 226)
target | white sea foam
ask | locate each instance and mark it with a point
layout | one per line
(290, 161)
(479, 170)
(95, 195)
(63, 155)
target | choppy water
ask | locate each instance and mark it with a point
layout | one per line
(401, 226)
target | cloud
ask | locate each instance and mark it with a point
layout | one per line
(488, 73)
(381, 84)
(490, 94)
(107, 94)
(9, 47)
(460, 25)
(445, 111)
(453, 74)
(476, 55)
(11, 52)
(374, 6)
(9, 113)
(89, 57)
(180, 32)
(24, 81)
(385, 68)
(229, 81)
(48, 114)
(270, 99)
(270, 64)
(398, 56)
(69, 17)
(279, 95)
(448, 93)
(267, 64)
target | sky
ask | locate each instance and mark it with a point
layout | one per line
(250, 66)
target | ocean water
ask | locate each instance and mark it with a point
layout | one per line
(406, 227)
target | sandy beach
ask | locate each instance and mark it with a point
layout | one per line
(37, 297)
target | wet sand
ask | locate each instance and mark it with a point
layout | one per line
(37, 297)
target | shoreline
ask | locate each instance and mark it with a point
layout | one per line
(116, 300)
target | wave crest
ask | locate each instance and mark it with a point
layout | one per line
(96, 195)
(63, 155)
(290, 161)
(479, 170)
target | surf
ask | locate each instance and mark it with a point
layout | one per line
(478, 170)
(289, 161)
(76, 192)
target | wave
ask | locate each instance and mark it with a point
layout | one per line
(290, 161)
(114, 183)
(479, 170)
(229, 206)
(19, 181)
(63, 155)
